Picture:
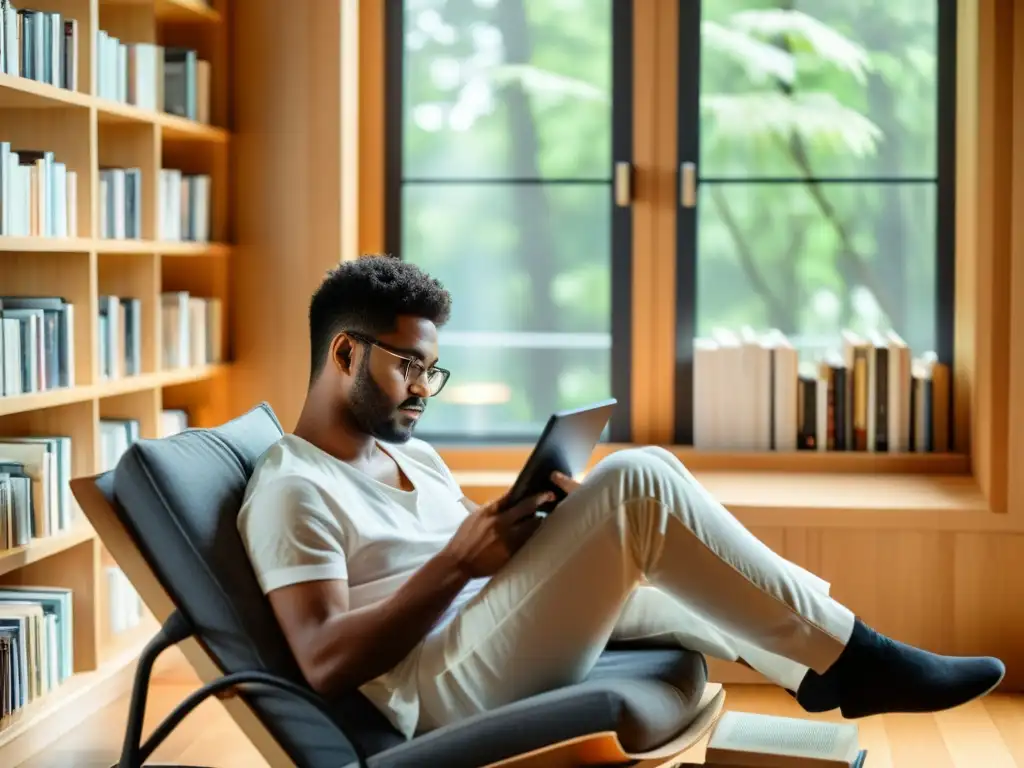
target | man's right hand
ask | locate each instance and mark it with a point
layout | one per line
(493, 533)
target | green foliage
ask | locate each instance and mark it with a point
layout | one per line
(843, 89)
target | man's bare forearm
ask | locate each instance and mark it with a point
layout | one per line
(357, 646)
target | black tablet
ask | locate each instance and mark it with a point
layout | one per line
(565, 446)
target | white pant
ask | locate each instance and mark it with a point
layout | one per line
(544, 619)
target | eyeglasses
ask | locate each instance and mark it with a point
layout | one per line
(412, 369)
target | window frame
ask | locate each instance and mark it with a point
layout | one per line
(688, 149)
(989, 353)
(622, 327)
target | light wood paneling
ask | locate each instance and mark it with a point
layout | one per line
(661, 386)
(645, 95)
(286, 178)
(944, 591)
(1015, 404)
(371, 169)
(991, 252)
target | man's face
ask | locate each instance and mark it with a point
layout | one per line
(382, 399)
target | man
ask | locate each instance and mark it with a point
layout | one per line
(385, 577)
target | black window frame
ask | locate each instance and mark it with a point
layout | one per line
(622, 115)
(688, 149)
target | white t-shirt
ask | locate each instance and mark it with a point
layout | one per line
(308, 516)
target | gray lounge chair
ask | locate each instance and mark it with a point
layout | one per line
(167, 516)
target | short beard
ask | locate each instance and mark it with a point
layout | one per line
(373, 412)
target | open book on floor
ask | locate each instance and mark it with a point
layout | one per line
(748, 740)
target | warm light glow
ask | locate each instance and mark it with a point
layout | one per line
(478, 393)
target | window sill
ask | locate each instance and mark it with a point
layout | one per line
(506, 457)
(812, 499)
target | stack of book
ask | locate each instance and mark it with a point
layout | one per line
(35, 488)
(120, 336)
(127, 72)
(116, 437)
(124, 606)
(173, 421)
(184, 206)
(752, 393)
(38, 194)
(192, 330)
(120, 203)
(36, 643)
(37, 344)
(39, 45)
(150, 76)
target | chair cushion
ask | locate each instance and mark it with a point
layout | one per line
(645, 696)
(179, 498)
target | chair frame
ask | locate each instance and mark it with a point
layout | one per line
(596, 749)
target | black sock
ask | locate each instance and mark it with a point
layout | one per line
(875, 674)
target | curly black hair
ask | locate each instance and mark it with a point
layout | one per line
(367, 296)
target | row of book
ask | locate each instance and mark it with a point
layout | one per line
(36, 471)
(38, 194)
(39, 45)
(37, 338)
(150, 76)
(120, 336)
(185, 206)
(193, 329)
(37, 649)
(124, 606)
(116, 437)
(35, 491)
(37, 344)
(751, 392)
(173, 421)
(120, 202)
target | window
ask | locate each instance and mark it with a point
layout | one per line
(815, 174)
(816, 162)
(505, 120)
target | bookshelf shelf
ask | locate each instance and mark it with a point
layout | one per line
(172, 127)
(115, 265)
(174, 10)
(40, 549)
(42, 400)
(23, 93)
(86, 245)
(45, 244)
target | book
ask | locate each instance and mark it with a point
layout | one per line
(173, 421)
(755, 391)
(124, 605)
(116, 436)
(750, 740)
(192, 329)
(37, 344)
(184, 206)
(38, 194)
(35, 488)
(36, 643)
(119, 322)
(39, 45)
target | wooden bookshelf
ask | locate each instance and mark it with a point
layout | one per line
(88, 133)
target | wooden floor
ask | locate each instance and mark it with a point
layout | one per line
(984, 734)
